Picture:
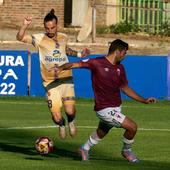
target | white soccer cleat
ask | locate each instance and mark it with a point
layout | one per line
(72, 129)
(62, 132)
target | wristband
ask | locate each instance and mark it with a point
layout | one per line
(79, 54)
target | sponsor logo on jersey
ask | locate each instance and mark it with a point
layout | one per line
(56, 53)
(54, 59)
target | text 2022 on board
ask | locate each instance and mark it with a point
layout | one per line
(8, 77)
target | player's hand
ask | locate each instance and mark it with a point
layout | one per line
(150, 100)
(27, 20)
(85, 52)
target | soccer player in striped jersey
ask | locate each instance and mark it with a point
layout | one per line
(108, 79)
(53, 50)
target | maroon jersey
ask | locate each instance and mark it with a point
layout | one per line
(107, 79)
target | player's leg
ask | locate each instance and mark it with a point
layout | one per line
(128, 139)
(55, 104)
(114, 117)
(70, 111)
(109, 117)
(69, 107)
(94, 139)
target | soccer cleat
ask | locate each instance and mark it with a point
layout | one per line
(72, 129)
(84, 154)
(62, 132)
(129, 155)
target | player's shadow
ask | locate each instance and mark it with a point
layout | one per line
(115, 161)
(59, 152)
(100, 157)
(30, 151)
(10, 147)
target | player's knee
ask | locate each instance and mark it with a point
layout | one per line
(133, 127)
(129, 125)
(56, 117)
(58, 121)
(70, 110)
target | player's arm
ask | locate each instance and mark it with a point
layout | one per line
(21, 36)
(131, 93)
(79, 54)
(68, 66)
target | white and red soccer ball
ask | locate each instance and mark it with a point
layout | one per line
(44, 145)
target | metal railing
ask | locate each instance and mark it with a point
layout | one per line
(149, 15)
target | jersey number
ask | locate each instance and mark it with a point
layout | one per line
(49, 103)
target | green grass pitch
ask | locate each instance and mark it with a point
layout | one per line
(24, 119)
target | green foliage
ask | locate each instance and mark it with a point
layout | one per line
(130, 27)
(103, 29)
(165, 29)
(124, 27)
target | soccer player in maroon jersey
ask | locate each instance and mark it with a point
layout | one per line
(108, 79)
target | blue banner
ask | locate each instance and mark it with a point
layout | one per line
(13, 73)
(36, 87)
(168, 76)
(147, 75)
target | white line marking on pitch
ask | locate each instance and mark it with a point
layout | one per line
(81, 127)
(82, 104)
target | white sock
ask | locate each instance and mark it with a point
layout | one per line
(93, 140)
(127, 144)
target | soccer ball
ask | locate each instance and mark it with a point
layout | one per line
(44, 145)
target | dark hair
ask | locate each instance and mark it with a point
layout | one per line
(118, 45)
(50, 16)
